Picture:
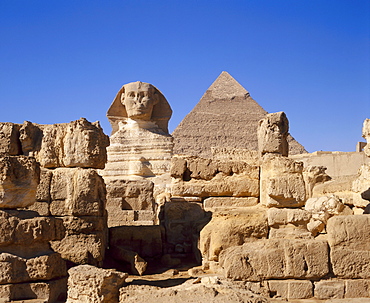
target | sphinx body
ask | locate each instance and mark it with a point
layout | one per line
(140, 145)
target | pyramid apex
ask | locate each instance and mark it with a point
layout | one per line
(225, 86)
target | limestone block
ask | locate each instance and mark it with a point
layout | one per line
(46, 267)
(48, 292)
(178, 167)
(145, 240)
(19, 177)
(231, 229)
(276, 259)
(187, 168)
(87, 283)
(42, 208)
(327, 289)
(216, 204)
(291, 289)
(349, 246)
(75, 144)
(278, 216)
(83, 225)
(366, 135)
(84, 145)
(38, 229)
(357, 288)
(315, 226)
(272, 134)
(15, 269)
(134, 194)
(324, 207)
(204, 169)
(78, 192)
(9, 139)
(289, 231)
(43, 189)
(340, 187)
(18, 230)
(119, 217)
(235, 185)
(82, 248)
(361, 187)
(350, 232)
(282, 183)
(314, 175)
(207, 177)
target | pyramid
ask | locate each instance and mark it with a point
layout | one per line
(225, 117)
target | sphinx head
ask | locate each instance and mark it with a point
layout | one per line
(140, 101)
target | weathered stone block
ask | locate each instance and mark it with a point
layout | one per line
(145, 240)
(272, 134)
(361, 187)
(276, 259)
(324, 207)
(83, 225)
(134, 194)
(9, 139)
(348, 237)
(38, 229)
(15, 269)
(291, 289)
(19, 177)
(48, 292)
(178, 167)
(19, 227)
(43, 189)
(278, 216)
(78, 192)
(289, 231)
(207, 177)
(329, 289)
(351, 232)
(90, 284)
(75, 144)
(82, 248)
(215, 204)
(357, 288)
(42, 208)
(313, 176)
(231, 229)
(46, 267)
(235, 186)
(84, 144)
(282, 183)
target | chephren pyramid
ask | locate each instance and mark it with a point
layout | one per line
(226, 116)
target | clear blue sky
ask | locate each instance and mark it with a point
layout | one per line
(62, 60)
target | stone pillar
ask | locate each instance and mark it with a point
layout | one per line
(272, 134)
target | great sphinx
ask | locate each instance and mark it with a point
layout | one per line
(140, 145)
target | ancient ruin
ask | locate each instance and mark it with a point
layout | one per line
(89, 218)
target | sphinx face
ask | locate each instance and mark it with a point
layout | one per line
(139, 100)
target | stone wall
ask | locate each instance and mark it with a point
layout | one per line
(52, 206)
(338, 164)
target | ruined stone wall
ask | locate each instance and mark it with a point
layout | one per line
(52, 206)
(269, 227)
